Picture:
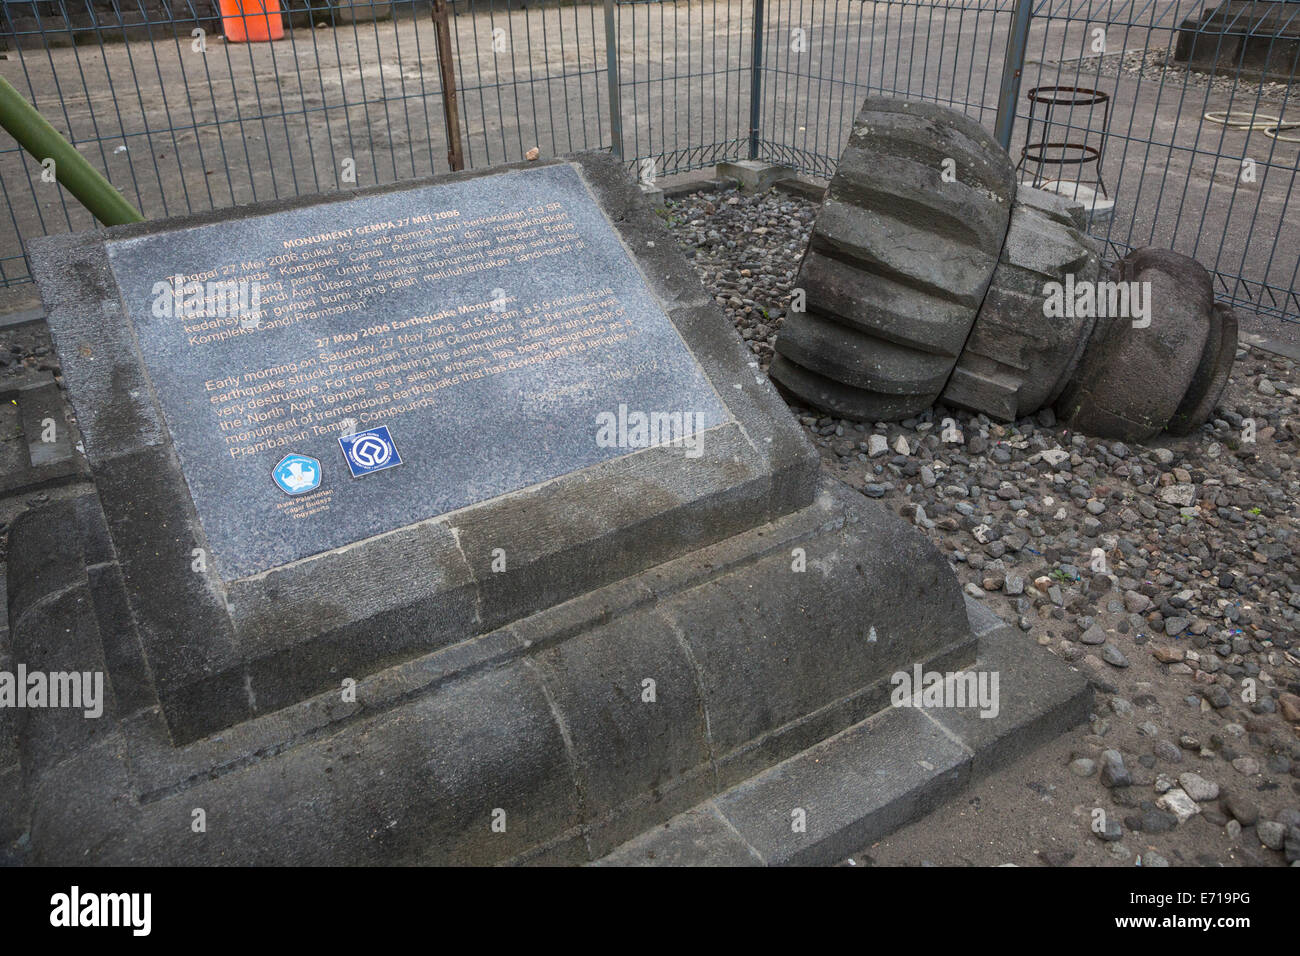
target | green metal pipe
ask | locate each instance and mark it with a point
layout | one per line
(71, 169)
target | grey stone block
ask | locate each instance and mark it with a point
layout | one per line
(752, 174)
(639, 749)
(652, 194)
(1040, 698)
(699, 837)
(60, 636)
(898, 263)
(1017, 359)
(877, 775)
(755, 679)
(852, 789)
(1132, 380)
(544, 719)
(272, 638)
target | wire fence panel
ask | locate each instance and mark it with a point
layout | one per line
(180, 120)
(1176, 126)
(1171, 119)
(684, 73)
(530, 79)
(1178, 174)
(822, 58)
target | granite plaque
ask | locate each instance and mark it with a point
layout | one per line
(484, 335)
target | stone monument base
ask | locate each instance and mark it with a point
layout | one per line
(770, 687)
(877, 776)
(524, 645)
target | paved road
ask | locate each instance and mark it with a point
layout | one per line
(179, 129)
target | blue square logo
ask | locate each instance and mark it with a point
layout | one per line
(369, 451)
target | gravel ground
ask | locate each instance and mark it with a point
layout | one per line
(1166, 572)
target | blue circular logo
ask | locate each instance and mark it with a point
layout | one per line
(297, 474)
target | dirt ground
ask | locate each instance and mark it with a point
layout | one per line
(1038, 811)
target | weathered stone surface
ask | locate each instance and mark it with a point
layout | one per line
(477, 690)
(1017, 359)
(264, 641)
(898, 263)
(859, 785)
(543, 718)
(1212, 373)
(1131, 380)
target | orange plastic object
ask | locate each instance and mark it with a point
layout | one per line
(254, 21)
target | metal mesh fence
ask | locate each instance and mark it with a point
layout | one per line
(181, 121)
(530, 78)
(822, 58)
(1186, 155)
(1171, 119)
(684, 72)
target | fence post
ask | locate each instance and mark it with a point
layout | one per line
(1012, 67)
(756, 79)
(611, 64)
(447, 75)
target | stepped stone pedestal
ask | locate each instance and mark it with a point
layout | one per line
(425, 603)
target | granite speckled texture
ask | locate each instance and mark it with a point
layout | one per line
(481, 438)
(220, 648)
